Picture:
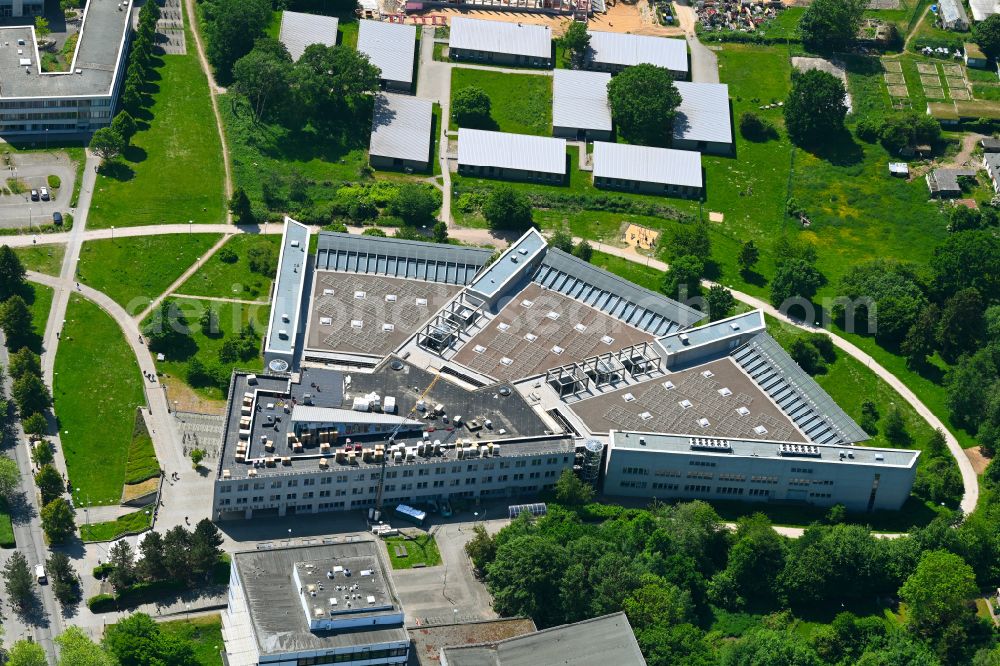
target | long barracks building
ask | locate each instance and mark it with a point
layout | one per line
(405, 372)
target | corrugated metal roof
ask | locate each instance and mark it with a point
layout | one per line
(703, 114)
(299, 30)
(401, 127)
(418, 260)
(983, 9)
(580, 100)
(952, 12)
(501, 37)
(617, 48)
(511, 151)
(797, 394)
(646, 164)
(390, 47)
(628, 302)
(595, 642)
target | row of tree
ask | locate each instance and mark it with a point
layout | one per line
(674, 569)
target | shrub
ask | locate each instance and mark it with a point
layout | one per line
(54, 182)
(101, 603)
(227, 255)
(755, 128)
(869, 128)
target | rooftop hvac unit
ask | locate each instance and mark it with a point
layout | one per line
(282, 334)
(684, 338)
(285, 317)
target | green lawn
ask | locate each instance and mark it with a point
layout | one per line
(650, 278)
(134, 271)
(42, 258)
(203, 634)
(232, 317)
(39, 300)
(520, 103)
(221, 280)
(97, 389)
(173, 172)
(130, 523)
(141, 464)
(6, 527)
(422, 550)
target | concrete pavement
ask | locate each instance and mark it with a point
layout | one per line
(704, 63)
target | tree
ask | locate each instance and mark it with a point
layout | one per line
(262, 259)
(805, 355)
(905, 130)
(11, 273)
(683, 278)
(374, 231)
(690, 239)
(987, 35)
(962, 325)
(209, 322)
(471, 107)
(41, 453)
(524, 578)
(815, 108)
(121, 558)
(481, 548)
(76, 649)
(22, 362)
(124, 124)
(27, 653)
(829, 25)
(232, 27)
(748, 256)
(894, 427)
(720, 302)
(15, 320)
(583, 250)
(197, 455)
(756, 558)
(10, 477)
(966, 259)
(969, 384)
(562, 239)
(795, 278)
(50, 483)
(36, 424)
(64, 579)
(884, 298)
(138, 641)
(658, 602)
(414, 204)
(507, 209)
(643, 101)
(107, 143)
(176, 553)
(151, 564)
(17, 579)
(206, 547)
(264, 77)
(920, 339)
(241, 208)
(576, 42)
(440, 234)
(31, 394)
(869, 417)
(166, 327)
(938, 592)
(766, 647)
(42, 28)
(58, 521)
(570, 490)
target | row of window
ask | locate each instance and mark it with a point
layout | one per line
(699, 488)
(357, 655)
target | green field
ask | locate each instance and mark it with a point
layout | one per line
(97, 389)
(203, 634)
(232, 317)
(141, 464)
(40, 303)
(42, 258)
(520, 103)
(131, 523)
(421, 550)
(134, 271)
(173, 172)
(221, 280)
(6, 527)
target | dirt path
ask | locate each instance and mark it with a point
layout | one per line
(964, 155)
(213, 91)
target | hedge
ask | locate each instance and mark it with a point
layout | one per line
(138, 594)
(55, 182)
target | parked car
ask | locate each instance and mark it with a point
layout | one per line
(40, 574)
(34, 195)
(45, 193)
(57, 219)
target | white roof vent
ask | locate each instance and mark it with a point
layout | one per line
(286, 317)
(703, 422)
(295, 243)
(683, 338)
(283, 334)
(685, 404)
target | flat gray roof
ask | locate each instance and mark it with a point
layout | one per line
(401, 127)
(511, 151)
(647, 164)
(99, 49)
(703, 114)
(501, 37)
(390, 47)
(713, 331)
(419, 260)
(860, 455)
(275, 603)
(580, 99)
(616, 48)
(626, 301)
(513, 261)
(429, 639)
(286, 302)
(601, 641)
(299, 30)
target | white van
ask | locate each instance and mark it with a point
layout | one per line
(40, 574)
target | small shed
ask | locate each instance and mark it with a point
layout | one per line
(990, 145)
(943, 183)
(953, 16)
(974, 56)
(899, 169)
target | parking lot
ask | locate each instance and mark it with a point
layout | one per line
(32, 171)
